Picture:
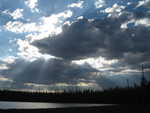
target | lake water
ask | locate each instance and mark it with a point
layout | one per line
(32, 105)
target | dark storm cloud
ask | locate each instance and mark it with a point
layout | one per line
(130, 45)
(47, 72)
(104, 38)
(56, 71)
(77, 41)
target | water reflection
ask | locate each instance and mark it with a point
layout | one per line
(32, 105)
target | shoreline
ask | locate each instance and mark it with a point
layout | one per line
(101, 109)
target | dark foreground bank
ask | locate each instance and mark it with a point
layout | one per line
(104, 109)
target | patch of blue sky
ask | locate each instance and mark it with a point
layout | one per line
(8, 45)
(4, 18)
(11, 5)
(48, 7)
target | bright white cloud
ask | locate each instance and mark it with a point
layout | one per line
(3, 67)
(84, 84)
(19, 27)
(62, 84)
(50, 26)
(99, 3)
(8, 60)
(57, 86)
(32, 4)
(17, 14)
(43, 28)
(98, 63)
(80, 17)
(125, 24)
(4, 79)
(29, 52)
(145, 22)
(129, 3)
(35, 85)
(143, 3)
(115, 10)
(78, 4)
(127, 71)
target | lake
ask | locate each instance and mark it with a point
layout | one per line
(35, 105)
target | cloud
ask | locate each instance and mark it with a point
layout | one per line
(44, 27)
(4, 79)
(99, 3)
(84, 39)
(62, 86)
(76, 41)
(99, 63)
(32, 4)
(145, 3)
(78, 5)
(29, 52)
(54, 74)
(19, 27)
(5, 83)
(115, 10)
(5, 61)
(47, 72)
(144, 21)
(3, 66)
(4, 18)
(7, 16)
(17, 14)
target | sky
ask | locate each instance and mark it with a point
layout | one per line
(68, 44)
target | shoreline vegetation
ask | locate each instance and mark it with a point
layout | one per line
(138, 94)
